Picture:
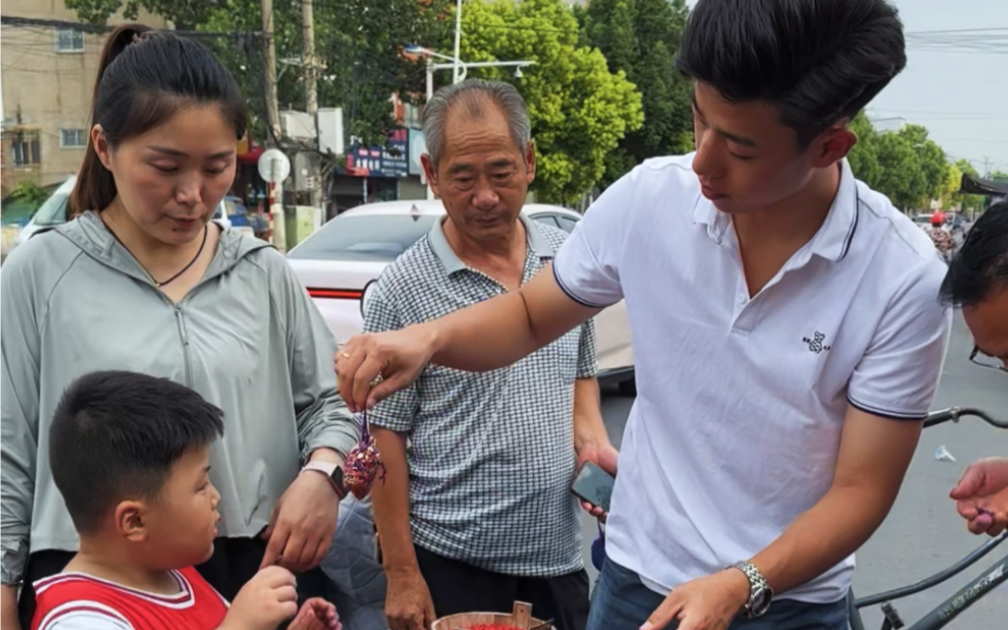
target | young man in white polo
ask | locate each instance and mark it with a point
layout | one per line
(787, 332)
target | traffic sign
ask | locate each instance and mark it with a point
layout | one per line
(274, 166)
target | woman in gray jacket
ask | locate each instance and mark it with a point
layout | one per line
(142, 280)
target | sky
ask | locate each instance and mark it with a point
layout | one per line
(961, 97)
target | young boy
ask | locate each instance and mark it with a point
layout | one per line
(130, 455)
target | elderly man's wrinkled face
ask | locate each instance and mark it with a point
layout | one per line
(988, 321)
(482, 177)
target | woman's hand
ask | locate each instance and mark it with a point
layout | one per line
(302, 524)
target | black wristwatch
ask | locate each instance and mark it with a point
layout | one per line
(760, 593)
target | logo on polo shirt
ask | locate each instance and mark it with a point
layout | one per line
(815, 344)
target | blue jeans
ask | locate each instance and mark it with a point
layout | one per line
(622, 602)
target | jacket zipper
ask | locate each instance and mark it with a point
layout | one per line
(184, 335)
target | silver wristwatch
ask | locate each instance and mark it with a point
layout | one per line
(760, 593)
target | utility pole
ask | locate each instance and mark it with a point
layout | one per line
(277, 219)
(272, 105)
(311, 68)
(458, 41)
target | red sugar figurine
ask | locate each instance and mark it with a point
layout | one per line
(363, 463)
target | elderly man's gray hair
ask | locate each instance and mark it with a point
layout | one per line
(473, 95)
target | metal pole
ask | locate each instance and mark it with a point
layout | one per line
(430, 80)
(277, 210)
(458, 41)
(272, 106)
(430, 95)
(311, 68)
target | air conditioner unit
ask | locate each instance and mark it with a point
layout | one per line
(297, 125)
(330, 129)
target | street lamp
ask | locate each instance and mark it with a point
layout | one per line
(457, 64)
(458, 41)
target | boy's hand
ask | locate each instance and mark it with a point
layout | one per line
(316, 614)
(267, 600)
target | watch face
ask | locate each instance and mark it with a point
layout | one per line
(759, 603)
(337, 476)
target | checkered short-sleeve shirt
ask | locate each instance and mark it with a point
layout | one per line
(491, 455)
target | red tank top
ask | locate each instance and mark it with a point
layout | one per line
(75, 600)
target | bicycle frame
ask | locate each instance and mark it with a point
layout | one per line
(951, 608)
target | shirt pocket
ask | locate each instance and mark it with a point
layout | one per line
(560, 358)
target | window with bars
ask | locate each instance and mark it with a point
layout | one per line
(73, 138)
(69, 40)
(26, 148)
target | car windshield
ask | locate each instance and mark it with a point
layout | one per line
(366, 238)
(54, 210)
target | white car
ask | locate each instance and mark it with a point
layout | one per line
(53, 212)
(338, 264)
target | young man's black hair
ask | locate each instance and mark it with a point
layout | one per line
(817, 61)
(117, 434)
(981, 265)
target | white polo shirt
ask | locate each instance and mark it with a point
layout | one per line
(736, 427)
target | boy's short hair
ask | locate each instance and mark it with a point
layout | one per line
(817, 61)
(116, 435)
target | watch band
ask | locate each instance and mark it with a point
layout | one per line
(332, 472)
(760, 593)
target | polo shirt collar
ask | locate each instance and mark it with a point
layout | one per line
(833, 239)
(538, 243)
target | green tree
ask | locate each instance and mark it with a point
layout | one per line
(641, 38)
(864, 158)
(931, 158)
(30, 192)
(953, 180)
(902, 177)
(578, 108)
(362, 42)
(359, 43)
(184, 14)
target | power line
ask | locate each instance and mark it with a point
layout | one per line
(996, 29)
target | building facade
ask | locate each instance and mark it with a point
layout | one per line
(49, 69)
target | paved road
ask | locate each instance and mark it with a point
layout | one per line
(923, 534)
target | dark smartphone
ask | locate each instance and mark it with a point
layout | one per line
(593, 485)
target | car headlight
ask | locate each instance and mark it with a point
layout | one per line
(365, 296)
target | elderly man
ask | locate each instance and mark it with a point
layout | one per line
(476, 511)
(977, 280)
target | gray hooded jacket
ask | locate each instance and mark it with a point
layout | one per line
(247, 338)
